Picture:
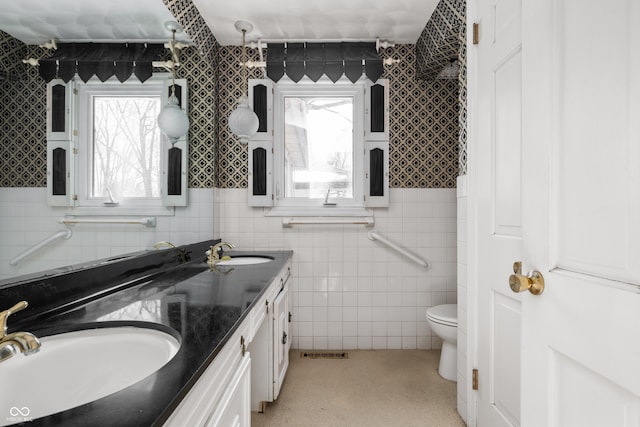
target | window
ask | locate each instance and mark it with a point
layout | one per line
(120, 144)
(116, 160)
(317, 135)
(320, 150)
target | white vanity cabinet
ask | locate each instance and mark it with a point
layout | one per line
(249, 369)
(223, 391)
(281, 340)
(234, 408)
(271, 344)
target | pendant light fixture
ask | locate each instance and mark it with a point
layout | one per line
(243, 122)
(172, 120)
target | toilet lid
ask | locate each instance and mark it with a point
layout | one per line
(445, 313)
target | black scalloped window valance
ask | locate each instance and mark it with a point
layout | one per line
(102, 60)
(315, 59)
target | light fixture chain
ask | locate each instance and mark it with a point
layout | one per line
(173, 65)
(244, 58)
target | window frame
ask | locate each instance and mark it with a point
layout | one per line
(77, 147)
(266, 169)
(354, 91)
(86, 93)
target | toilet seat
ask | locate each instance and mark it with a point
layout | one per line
(445, 314)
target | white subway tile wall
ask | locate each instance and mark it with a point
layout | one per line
(349, 292)
(26, 220)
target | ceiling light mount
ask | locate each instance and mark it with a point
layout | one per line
(243, 26)
(173, 26)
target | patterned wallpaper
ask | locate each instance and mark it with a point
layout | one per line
(462, 100)
(23, 131)
(423, 123)
(444, 39)
(12, 52)
(424, 116)
(196, 28)
(22, 123)
(439, 42)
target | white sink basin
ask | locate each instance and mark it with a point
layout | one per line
(75, 368)
(245, 260)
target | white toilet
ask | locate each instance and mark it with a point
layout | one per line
(443, 320)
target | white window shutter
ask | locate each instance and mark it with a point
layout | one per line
(376, 175)
(261, 100)
(59, 179)
(260, 177)
(260, 149)
(60, 134)
(59, 120)
(376, 145)
(376, 117)
(175, 157)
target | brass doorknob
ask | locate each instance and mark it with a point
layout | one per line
(533, 281)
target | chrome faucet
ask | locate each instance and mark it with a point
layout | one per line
(16, 342)
(216, 250)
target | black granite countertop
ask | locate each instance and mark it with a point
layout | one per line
(184, 297)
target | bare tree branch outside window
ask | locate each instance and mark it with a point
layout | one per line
(126, 146)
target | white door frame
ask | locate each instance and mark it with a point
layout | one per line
(472, 216)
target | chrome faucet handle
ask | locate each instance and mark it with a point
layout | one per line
(5, 314)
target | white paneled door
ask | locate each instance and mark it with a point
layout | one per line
(558, 170)
(499, 210)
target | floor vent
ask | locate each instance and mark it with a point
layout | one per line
(324, 355)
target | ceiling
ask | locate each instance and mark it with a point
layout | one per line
(399, 21)
(37, 21)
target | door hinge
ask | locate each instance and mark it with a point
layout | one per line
(75, 132)
(74, 197)
(266, 303)
(289, 317)
(243, 345)
(474, 379)
(476, 33)
(75, 151)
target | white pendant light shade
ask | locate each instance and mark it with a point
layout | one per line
(172, 121)
(243, 122)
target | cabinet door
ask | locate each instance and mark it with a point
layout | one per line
(235, 406)
(280, 339)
